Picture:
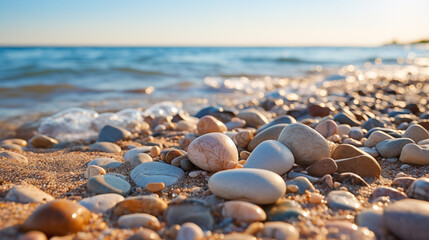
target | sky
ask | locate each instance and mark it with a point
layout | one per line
(212, 22)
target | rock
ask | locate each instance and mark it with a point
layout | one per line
(271, 155)
(128, 156)
(372, 218)
(327, 128)
(391, 148)
(284, 210)
(216, 112)
(238, 236)
(105, 162)
(347, 230)
(415, 154)
(111, 133)
(13, 147)
(150, 204)
(285, 119)
(42, 141)
(362, 165)
(190, 231)
(351, 178)
(343, 129)
(101, 203)
(58, 217)
(419, 189)
(155, 186)
(407, 219)
(303, 184)
(280, 231)
(403, 182)
(209, 124)
(107, 147)
(316, 110)
(194, 211)
(33, 235)
(389, 131)
(347, 151)
(235, 123)
(356, 133)
(184, 142)
(185, 126)
(243, 211)
(340, 199)
(376, 137)
(396, 112)
(307, 145)
(293, 175)
(416, 132)
(424, 142)
(145, 234)
(252, 117)
(168, 155)
(140, 158)
(346, 118)
(392, 193)
(322, 167)
(27, 194)
(93, 170)
(270, 133)
(14, 157)
(242, 138)
(137, 220)
(213, 152)
(400, 118)
(372, 123)
(108, 184)
(14, 141)
(254, 185)
(156, 172)
(371, 151)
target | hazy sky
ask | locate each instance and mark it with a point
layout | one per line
(212, 22)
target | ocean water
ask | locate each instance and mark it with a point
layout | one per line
(44, 80)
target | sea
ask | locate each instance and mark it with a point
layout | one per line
(39, 81)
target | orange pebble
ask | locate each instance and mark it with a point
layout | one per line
(155, 186)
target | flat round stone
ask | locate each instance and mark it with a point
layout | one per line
(156, 172)
(108, 184)
(105, 162)
(101, 203)
(107, 147)
(340, 199)
(27, 194)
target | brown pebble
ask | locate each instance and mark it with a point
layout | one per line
(209, 124)
(292, 188)
(155, 186)
(42, 141)
(315, 198)
(145, 234)
(327, 128)
(155, 151)
(243, 138)
(362, 165)
(244, 155)
(168, 155)
(33, 235)
(322, 167)
(150, 204)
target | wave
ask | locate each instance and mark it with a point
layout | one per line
(38, 89)
(39, 73)
(282, 60)
(137, 71)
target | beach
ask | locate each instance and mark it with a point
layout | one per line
(293, 148)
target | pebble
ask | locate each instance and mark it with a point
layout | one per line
(280, 231)
(242, 138)
(372, 123)
(376, 137)
(238, 236)
(243, 211)
(306, 144)
(351, 178)
(285, 119)
(154, 151)
(253, 117)
(235, 123)
(372, 218)
(416, 132)
(128, 156)
(156, 172)
(392, 160)
(254, 185)
(105, 162)
(302, 183)
(362, 165)
(14, 157)
(209, 124)
(348, 230)
(327, 128)
(322, 167)
(183, 125)
(408, 219)
(316, 110)
(145, 234)
(150, 204)
(13, 147)
(184, 142)
(270, 133)
(403, 182)
(346, 118)
(111, 133)
(42, 141)
(137, 220)
(419, 189)
(101, 203)
(404, 166)
(415, 154)
(107, 147)
(195, 211)
(271, 155)
(371, 151)
(343, 129)
(140, 158)
(190, 231)
(356, 133)
(93, 170)
(393, 194)
(27, 194)
(396, 112)
(33, 235)
(293, 175)
(213, 152)
(347, 151)
(391, 148)
(108, 184)
(155, 186)
(315, 198)
(14, 141)
(285, 210)
(340, 199)
(58, 217)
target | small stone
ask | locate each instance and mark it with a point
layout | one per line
(306, 144)
(292, 188)
(416, 132)
(284, 210)
(128, 156)
(415, 154)
(407, 219)
(347, 151)
(372, 123)
(392, 160)
(58, 217)
(235, 123)
(186, 141)
(347, 230)
(195, 174)
(371, 151)
(254, 228)
(316, 110)
(107, 147)
(343, 129)
(303, 184)
(168, 155)
(105, 162)
(315, 198)
(270, 133)
(194, 211)
(27, 194)
(14, 141)
(254, 185)
(351, 178)
(391, 148)
(111, 133)
(293, 175)
(280, 231)
(209, 124)
(42, 141)
(346, 118)
(372, 218)
(334, 138)
(137, 220)
(353, 142)
(327, 128)
(186, 165)
(404, 166)
(340, 199)
(155, 151)
(376, 137)
(271, 155)
(155, 186)
(190, 231)
(150, 204)
(108, 184)
(14, 157)
(238, 236)
(322, 167)
(213, 152)
(156, 172)
(362, 165)
(13, 147)
(419, 189)
(403, 182)
(243, 211)
(145, 234)
(285, 119)
(93, 170)
(101, 203)
(33, 235)
(356, 133)
(140, 158)
(253, 117)
(242, 138)
(392, 193)
(244, 155)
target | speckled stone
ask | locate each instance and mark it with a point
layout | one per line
(156, 172)
(150, 204)
(340, 199)
(111, 133)
(27, 194)
(391, 148)
(108, 184)
(270, 133)
(107, 147)
(243, 211)
(415, 154)
(101, 203)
